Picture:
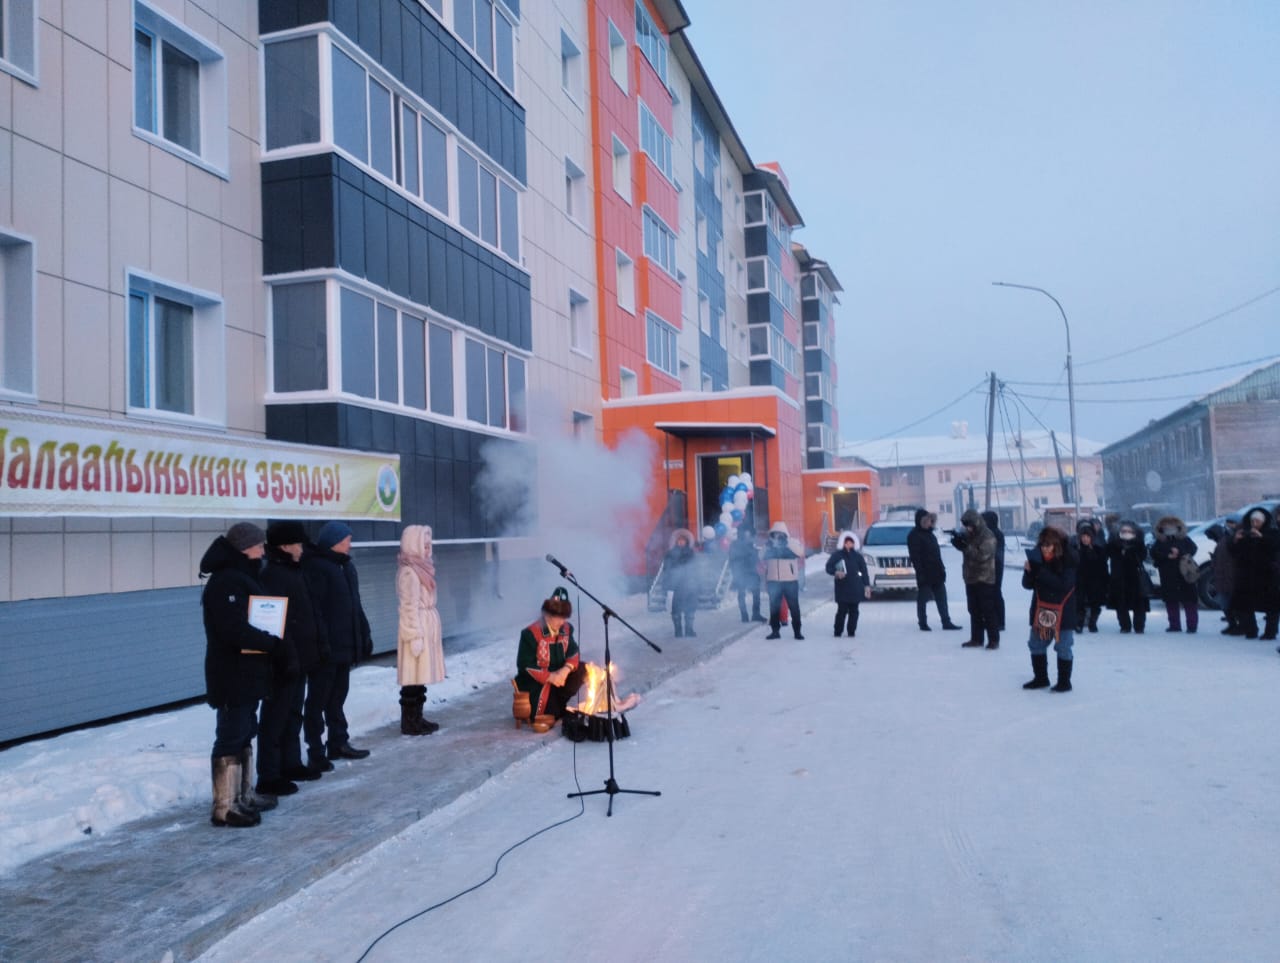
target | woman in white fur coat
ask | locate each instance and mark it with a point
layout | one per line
(419, 655)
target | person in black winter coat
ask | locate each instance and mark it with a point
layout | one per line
(237, 669)
(931, 573)
(853, 582)
(744, 566)
(1129, 591)
(1256, 550)
(345, 640)
(680, 577)
(1092, 577)
(280, 728)
(1050, 573)
(1170, 548)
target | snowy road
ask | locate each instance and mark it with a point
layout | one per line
(889, 797)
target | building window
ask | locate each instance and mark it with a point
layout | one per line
(575, 191)
(944, 475)
(627, 383)
(18, 38)
(621, 169)
(660, 343)
(490, 33)
(582, 424)
(626, 282)
(659, 242)
(488, 206)
(292, 95)
(570, 68)
(656, 142)
(299, 339)
(179, 89)
(17, 322)
(579, 323)
(944, 508)
(174, 350)
(617, 56)
(495, 386)
(650, 41)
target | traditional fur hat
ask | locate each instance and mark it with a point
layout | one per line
(286, 533)
(559, 603)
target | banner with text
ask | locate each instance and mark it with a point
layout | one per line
(58, 465)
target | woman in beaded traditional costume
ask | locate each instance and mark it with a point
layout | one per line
(547, 662)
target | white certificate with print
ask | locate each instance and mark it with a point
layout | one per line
(267, 612)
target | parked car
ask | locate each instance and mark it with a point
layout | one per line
(884, 546)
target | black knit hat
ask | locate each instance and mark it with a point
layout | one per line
(286, 533)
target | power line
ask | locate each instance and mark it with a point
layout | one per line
(1118, 401)
(1177, 334)
(933, 414)
(1134, 381)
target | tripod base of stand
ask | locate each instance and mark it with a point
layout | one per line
(611, 789)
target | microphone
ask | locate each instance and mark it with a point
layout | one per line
(556, 562)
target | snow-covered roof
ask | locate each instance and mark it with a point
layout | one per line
(949, 450)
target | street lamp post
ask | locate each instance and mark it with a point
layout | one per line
(1071, 390)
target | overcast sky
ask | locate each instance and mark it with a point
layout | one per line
(1122, 154)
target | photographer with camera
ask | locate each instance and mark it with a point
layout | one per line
(978, 546)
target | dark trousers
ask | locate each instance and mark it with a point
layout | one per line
(984, 611)
(683, 614)
(937, 592)
(327, 689)
(273, 719)
(290, 746)
(1138, 623)
(847, 610)
(560, 695)
(234, 729)
(1172, 609)
(791, 592)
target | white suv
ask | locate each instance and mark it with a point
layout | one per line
(884, 546)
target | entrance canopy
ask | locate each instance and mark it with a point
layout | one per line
(713, 429)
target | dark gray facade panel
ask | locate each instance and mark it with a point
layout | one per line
(309, 214)
(766, 372)
(414, 48)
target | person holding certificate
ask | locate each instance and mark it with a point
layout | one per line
(237, 667)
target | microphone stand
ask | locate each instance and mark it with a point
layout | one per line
(611, 787)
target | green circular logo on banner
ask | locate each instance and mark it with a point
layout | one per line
(388, 488)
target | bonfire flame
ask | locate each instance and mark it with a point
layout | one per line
(592, 695)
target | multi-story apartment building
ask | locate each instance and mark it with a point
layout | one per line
(347, 260)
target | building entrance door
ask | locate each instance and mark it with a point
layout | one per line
(714, 472)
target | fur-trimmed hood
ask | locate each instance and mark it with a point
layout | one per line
(1170, 526)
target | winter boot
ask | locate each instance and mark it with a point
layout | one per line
(677, 623)
(1270, 626)
(1094, 612)
(993, 639)
(410, 715)
(425, 724)
(688, 625)
(249, 799)
(1064, 676)
(226, 785)
(1039, 669)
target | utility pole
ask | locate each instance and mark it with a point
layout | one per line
(991, 428)
(1062, 479)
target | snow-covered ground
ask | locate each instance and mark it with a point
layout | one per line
(889, 797)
